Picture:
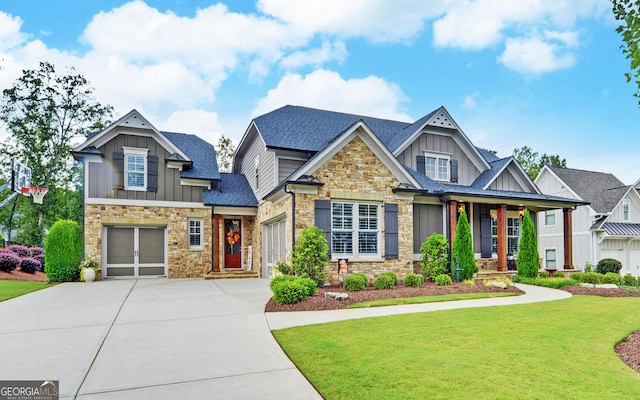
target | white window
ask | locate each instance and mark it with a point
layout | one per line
(550, 258)
(135, 168)
(355, 230)
(625, 210)
(257, 165)
(195, 233)
(436, 166)
(513, 234)
(549, 218)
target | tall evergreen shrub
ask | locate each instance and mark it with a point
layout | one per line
(63, 250)
(434, 256)
(528, 260)
(463, 249)
(310, 255)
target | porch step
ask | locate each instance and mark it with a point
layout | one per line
(231, 275)
(486, 275)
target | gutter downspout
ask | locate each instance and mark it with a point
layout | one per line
(293, 215)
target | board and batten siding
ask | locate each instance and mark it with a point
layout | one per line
(266, 167)
(101, 175)
(506, 181)
(430, 142)
(427, 220)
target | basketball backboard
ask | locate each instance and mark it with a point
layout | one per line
(21, 175)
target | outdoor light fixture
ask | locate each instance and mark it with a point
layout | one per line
(460, 207)
(520, 211)
(326, 285)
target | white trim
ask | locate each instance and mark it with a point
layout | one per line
(148, 203)
(195, 182)
(135, 151)
(626, 202)
(555, 218)
(355, 230)
(437, 156)
(404, 196)
(303, 189)
(544, 259)
(189, 234)
(244, 211)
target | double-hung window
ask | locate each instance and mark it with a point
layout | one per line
(436, 166)
(513, 234)
(195, 233)
(625, 210)
(135, 165)
(549, 218)
(550, 258)
(355, 230)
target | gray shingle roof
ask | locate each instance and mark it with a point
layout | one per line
(487, 176)
(621, 229)
(201, 152)
(488, 155)
(602, 190)
(235, 191)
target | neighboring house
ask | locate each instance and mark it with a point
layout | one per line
(609, 227)
(148, 198)
(378, 188)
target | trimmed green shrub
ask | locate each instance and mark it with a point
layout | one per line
(434, 256)
(611, 277)
(592, 277)
(310, 286)
(608, 265)
(63, 250)
(629, 280)
(576, 276)
(558, 274)
(392, 276)
(355, 282)
(462, 249)
(469, 282)
(443, 280)
(528, 262)
(282, 267)
(550, 283)
(384, 282)
(413, 280)
(281, 278)
(8, 260)
(29, 265)
(588, 267)
(310, 255)
(289, 292)
(543, 274)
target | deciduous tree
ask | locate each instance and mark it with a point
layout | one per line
(225, 150)
(532, 162)
(628, 12)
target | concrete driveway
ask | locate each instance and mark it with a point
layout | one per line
(149, 339)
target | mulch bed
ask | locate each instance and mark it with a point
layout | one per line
(18, 275)
(628, 350)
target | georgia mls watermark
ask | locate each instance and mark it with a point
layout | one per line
(29, 390)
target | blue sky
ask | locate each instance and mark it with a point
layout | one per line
(546, 74)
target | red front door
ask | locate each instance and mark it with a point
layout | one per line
(233, 243)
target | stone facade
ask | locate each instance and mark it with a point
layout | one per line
(182, 261)
(268, 212)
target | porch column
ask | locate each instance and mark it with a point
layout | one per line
(502, 237)
(453, 221)
(216, 243)
(568, 238)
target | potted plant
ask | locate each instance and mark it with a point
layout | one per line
(88, 270)
(510, 256)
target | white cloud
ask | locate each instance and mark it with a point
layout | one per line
(202, 123)
(10, 35)
(316, 57)
(470, 100)
(328, 90)
(535, 55)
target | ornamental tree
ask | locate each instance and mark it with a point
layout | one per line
(462, 250)
(528, 260)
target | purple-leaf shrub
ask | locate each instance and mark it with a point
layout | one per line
(30, 265)
(20, 250)
(36, 251)
(8, 260)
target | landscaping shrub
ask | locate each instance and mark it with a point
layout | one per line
(30, 265)
(629, 280)
(392, 276)
(40, 258)
(310, 255)
(63, 250)
(469, 282)
(611, 277)
(289, 292)
(36, 251)
(282, 267)
(528, 262)
(364, 278)
(434, 256)
(281, 278)
(20, 250)
(443, 280)
(384, 282)
(608, 265)
(8, 260)
(550, 283)
(588, 267)
(413, 280)
(576, 276)
(543, 274)
(462, 249)
(310, 286)
(592, 277)
(355, 282)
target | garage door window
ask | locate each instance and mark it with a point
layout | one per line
(195, 233)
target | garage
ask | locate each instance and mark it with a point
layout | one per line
(135, 251)
(274, 242)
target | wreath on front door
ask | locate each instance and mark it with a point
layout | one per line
(233, 237)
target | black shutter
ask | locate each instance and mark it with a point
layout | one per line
(152, 173)
(118, 171)
(390, 231)
(485, 236)
(323, 219)
(420, 160)
(454, 171)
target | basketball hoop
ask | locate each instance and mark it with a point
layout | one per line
(36, 192)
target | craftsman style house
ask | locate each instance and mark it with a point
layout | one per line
(609, 227)
(155, 203)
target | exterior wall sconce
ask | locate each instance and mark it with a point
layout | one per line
(460, 207)
(521, 211)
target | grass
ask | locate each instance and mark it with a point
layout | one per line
(429, 299)
(11, 289)
(555, 350)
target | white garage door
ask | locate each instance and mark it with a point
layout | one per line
(274, 241)
(135, 252)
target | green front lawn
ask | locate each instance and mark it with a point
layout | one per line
(11, 289)
(430, 299)
(555, 350)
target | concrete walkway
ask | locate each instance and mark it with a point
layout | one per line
(171, 339)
